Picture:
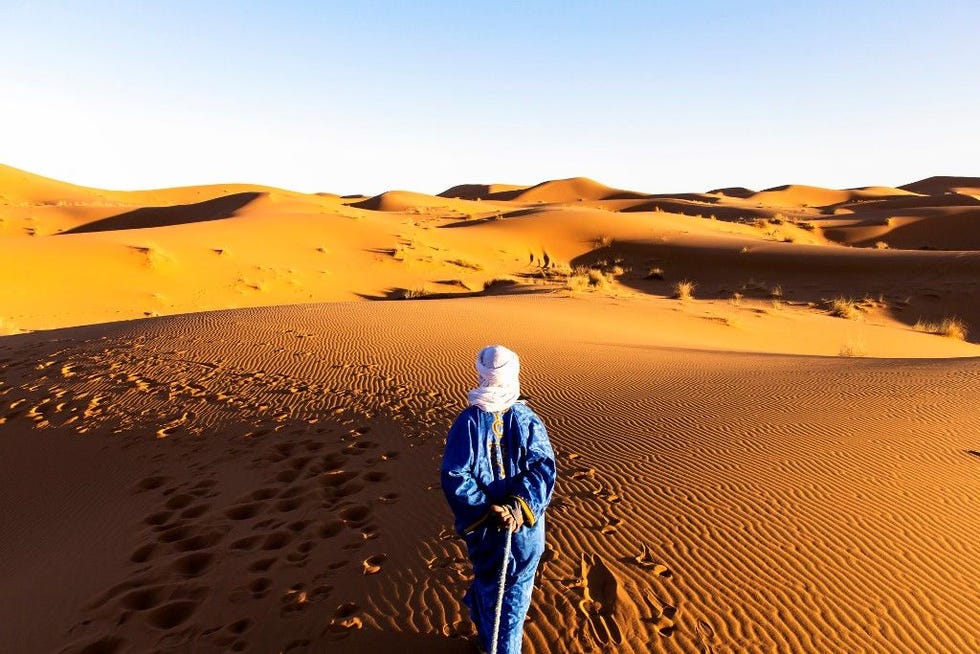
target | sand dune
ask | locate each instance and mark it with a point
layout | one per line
(944, 184)
(284, 494)
(763, 405)
(574, 189)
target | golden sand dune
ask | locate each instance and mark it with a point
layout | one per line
(763, 405)
(75, 255)
(265, 480)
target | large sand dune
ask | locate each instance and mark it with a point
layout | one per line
(755, 468)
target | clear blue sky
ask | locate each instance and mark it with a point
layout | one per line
(369, 96)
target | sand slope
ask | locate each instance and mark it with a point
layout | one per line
(763, 444)
(265, 480)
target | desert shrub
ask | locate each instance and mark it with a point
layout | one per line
(852, 348)
(949, 327)
(844, 308)
(655, 273)
(583, 278)
(881, 245)
(415, 293)
(684, 290)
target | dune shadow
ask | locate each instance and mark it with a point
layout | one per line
(904, 285)
(494, 287)
(517, 213)
(180, 214)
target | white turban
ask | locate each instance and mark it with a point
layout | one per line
(498, 369)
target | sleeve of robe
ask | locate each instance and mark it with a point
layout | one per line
(532, 488)
(467, 500)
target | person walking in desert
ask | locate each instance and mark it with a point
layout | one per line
(498, 473)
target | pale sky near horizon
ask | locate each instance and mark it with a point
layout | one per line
(369, 96)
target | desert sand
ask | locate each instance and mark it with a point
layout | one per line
(222, 410)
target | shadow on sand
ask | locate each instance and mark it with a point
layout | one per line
(180, 214)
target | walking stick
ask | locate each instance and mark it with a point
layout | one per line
(500, 593)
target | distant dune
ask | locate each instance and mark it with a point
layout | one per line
(222, 409)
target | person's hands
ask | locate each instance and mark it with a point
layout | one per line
(517, 515)
(504, 516)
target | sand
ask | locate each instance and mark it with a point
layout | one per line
(739, 471)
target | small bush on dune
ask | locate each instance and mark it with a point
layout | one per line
(587, 279)
(497, 283)
(953, 328)
(852, 348)
(949, 327)
(655, 273)
(415, 293)
(844, 308)
(684, 290)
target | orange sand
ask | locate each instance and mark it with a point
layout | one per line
(740, 471)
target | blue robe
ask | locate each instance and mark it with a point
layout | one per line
(473, 481)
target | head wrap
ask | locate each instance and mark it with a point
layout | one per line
(498, 369)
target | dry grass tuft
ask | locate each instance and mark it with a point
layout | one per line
(416, 293)
(587, 279)
(462, 263)
(881, 245)
(684, 290)
(655, 273)
(844, 308)
(852, 348)
(949, 327)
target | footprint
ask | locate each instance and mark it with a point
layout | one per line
(244, 511)
(171, 615)
(600, 597)
(247, 543)
(195, 511)
(261, 494)
(277, 540)
(295, 599)
(180, 501)
(346, 618)
(331, 528)
(372, 564)
(356, 515)
(260, 587)
(150, 483)
(142, 599)
(645, 560)
(193, 565)
(611, 526)
(261, 565)
(389, 498)
(659, 608)
(320, 593)
(705, 634)
(143, 553)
